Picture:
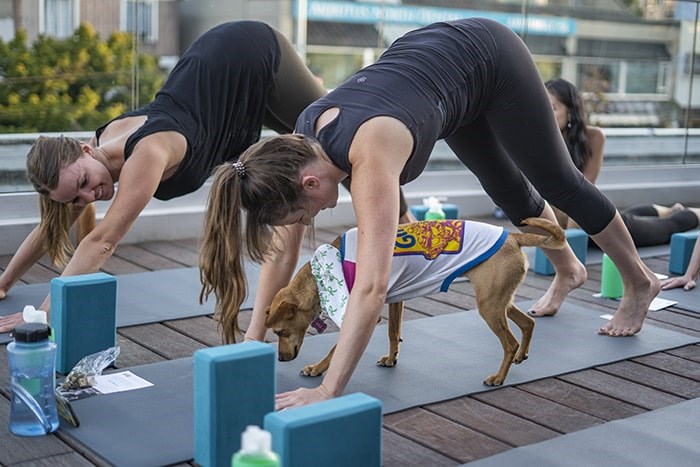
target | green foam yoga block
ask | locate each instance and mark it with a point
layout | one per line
(577, 239)
(234, 386)
(682, 245)
(341, 432)
(83, 316)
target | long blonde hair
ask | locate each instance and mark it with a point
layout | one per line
(266, 184)
(46, 158)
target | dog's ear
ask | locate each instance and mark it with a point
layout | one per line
(285, 310)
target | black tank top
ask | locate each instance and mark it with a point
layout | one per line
(215, 97)
(433, 80)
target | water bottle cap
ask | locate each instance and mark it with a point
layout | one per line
(255, 440)
(31, 332)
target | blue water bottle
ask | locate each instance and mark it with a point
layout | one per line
(32, 361)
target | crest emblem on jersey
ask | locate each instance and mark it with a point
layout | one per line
(430, 238)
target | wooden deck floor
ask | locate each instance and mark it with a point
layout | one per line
(443, 434)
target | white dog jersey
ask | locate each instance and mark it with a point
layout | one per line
(428, 257)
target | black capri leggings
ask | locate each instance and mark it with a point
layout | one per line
(516, 150)
(294, 88)
(648, 229)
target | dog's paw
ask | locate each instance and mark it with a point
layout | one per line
(387, 361)
(493, 380)
(311, 370)
(519, 359)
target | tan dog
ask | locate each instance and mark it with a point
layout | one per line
(495, 281)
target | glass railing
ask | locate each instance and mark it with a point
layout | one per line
(637, 67)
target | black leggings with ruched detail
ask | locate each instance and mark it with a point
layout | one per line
(516, 150)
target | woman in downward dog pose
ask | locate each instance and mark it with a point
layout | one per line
(234, 79)
(472, 82)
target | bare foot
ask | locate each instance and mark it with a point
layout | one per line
(629, 317)
(665, 211)
(560, 287)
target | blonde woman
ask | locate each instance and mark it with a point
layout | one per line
(234, 79)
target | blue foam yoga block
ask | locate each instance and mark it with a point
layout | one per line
(234, 386)
(451, 211)
(342, 432)
(682, 245)
(83, 316)
(577, 239)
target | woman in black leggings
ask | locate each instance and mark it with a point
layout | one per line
(233, 80)
(472, 82)
(649, 224)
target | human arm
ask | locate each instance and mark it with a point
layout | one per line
(275, 274)
(29, 253)
(378, 154)
(138, 179)
(596, 140)
(687, 280)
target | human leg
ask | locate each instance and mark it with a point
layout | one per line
(653, 230)
(294, 88)
(521, 118)
(477, 147)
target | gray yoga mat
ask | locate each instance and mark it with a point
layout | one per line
(688, 300)
(143, 297)
(145, 427)
(667, 436)
(442, 357)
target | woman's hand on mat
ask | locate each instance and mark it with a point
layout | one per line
(688, 283)
(302, 396)
(3, 293)
(10, 322)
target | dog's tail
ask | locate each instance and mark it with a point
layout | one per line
(555, 240)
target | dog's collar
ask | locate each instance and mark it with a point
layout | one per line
(327, 269)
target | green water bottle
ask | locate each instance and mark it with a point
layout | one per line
(435, 211)
(256, 449)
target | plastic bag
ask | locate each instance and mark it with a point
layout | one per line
(83, 373)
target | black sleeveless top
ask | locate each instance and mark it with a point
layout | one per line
(215, 97)
(434, 80)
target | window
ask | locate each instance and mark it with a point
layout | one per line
(60, 17)
(141, 18)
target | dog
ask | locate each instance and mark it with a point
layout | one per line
(495, 280)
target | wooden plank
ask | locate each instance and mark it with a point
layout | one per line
(671, 363)
(162, 340)
(622, 389)
(202, 328)
(398, 451)
(133, 354)
(117, 265)
(452, 439)
(654, 378)
(583, 400)
(691, 352)
(145, 258)
(174, 252)
(547, 413)
(71, 459)
(492, 421)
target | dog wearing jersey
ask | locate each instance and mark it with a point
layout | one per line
(428, 257)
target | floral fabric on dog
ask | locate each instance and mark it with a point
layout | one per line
(327, 269)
